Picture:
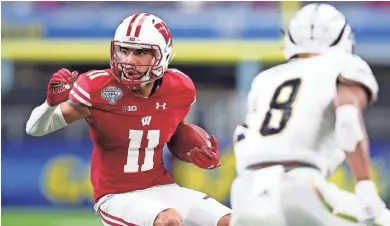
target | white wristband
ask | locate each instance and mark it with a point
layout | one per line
(364, 186)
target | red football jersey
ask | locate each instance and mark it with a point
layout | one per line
(128, 131)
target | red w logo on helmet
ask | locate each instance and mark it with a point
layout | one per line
(164, 31)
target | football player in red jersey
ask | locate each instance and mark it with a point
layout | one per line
(133, 109)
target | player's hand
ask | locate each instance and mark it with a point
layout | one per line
(60, 85)
(373, 205)
(205, 157)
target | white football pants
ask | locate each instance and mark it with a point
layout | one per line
(300, 197)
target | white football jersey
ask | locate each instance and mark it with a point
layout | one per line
(291, 116)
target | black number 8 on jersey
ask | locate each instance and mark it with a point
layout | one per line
(281, 105)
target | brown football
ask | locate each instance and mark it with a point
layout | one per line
(187, 137)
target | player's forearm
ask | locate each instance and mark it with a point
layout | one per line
(353, 139)
(45, 119)
(359, 161)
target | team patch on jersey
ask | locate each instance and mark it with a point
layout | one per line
(112, 94)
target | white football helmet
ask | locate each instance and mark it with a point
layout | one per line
(142, 31)
(317, 29)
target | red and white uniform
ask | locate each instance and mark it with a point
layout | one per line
(129, 133)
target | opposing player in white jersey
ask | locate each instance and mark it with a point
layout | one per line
(304, 118)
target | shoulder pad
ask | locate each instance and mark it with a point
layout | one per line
(184, 83)
(86, 85)
(354, 68)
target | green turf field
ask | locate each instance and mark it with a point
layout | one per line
(31, 217)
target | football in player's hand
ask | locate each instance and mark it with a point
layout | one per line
(187, 137)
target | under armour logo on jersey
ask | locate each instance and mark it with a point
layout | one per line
(146, 120)
(163, 106)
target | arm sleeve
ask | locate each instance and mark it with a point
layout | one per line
(45, 119)
(187, 100)
(189, 96)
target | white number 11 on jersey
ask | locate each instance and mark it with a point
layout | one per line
(133, 152)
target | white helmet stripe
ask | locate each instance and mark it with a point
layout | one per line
(135, 24)
(131, 23)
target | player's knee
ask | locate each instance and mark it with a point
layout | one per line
(224, 221)
(169, 217)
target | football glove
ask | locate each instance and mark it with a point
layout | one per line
(60, 85)
(205, 157)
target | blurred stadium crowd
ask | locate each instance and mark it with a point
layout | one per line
(202, 4)
(53, 170)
